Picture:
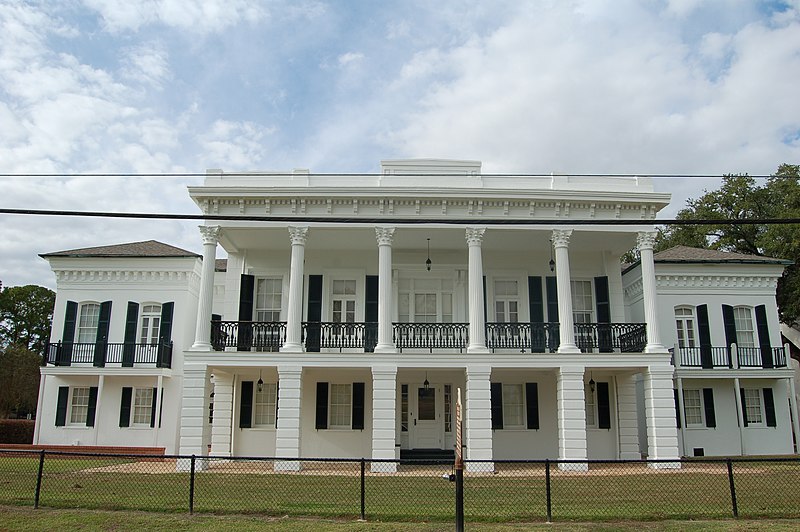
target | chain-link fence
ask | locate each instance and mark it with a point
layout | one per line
(405, 490)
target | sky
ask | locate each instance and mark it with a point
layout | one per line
(568, 86)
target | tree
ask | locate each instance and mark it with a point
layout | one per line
(741, 198)
(19, 380)
(25, 316)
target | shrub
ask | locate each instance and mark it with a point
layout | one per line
(16, 430)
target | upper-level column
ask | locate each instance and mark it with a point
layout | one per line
(202, 334)
(645, 241)
(385, 236)
(477, 320)
(294, 317)
(566, 327)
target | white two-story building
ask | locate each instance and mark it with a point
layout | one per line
(352, 308)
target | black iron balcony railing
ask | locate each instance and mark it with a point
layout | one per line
(761, 357)
(101, 354)
(524, 337)
(431, 336)
(337, 335)
(709, 357)
(610, 337)
(266, 336)
(589, 337)
(705, 357)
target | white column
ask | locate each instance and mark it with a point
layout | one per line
(37, 427)
(628, 418)
(571, 417)
(681, 410)
(478, 421)
(193, 413)
(792, 403)
(644, 242)
(566, 327)
(202, 336)
(287, 435)
(385, 237)
(158, 405)
(737, 395)
(294, 317)
(100, 385)
(384, 412)
(222, 424)
(659, 404)
(477, 320)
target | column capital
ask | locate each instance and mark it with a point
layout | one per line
(384, 235)
(384, 371)
(646, 239)
(210, 234)
(289, 371)
(475, 235)
(476, 372)
(561, 237)
(298, 235)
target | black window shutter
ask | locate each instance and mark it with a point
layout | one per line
(131, 324)
(101, 340)
(704, 332)
(358, 406)
(769, 408)
(277, 401)
(153, 408)
(552, 299)
(532, 404)
(730, 325)
(536, 312)
(677, 407)
(603, 406)
(165, 335)
(763, 337)
(497, 405)
(485, 310)
(61, 406)
(125, 407)
(314, 313)
(91, 411)
(603, 314)
(64, 358)
(244, 338)
(322, 406)
(371, 313)
(744, 407)
(708, 406)
(246, 405)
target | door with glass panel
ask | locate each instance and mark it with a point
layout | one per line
(426, 417)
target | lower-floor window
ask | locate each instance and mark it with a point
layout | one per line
(79, 406)
(591, 408)
(513, 405)
(264, 404)
(340, 406)
(692, 407)
(752, 405)
(142, 406)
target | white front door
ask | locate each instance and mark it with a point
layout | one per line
(426, 419)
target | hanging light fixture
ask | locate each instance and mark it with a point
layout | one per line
(591, 383)
(552, 262)
(426, 384)
(428, 262)
(260, 382)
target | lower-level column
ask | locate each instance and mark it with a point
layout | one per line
(223, 410)
(193, 414)
(571, 418)
(479, 418)
(659, 404)
(628, 418)
(384, 400)
(287, 435)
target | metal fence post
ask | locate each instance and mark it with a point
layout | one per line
(547, 491)
(363, 505)
(733, 488)
(39, 480)
(191, 486)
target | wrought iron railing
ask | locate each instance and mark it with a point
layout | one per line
(431, 336)
(337, 335)
(705, 357)
(533, 337)
(102, 354)
(248, 335)
(758, 357)
(709, 357)
(610, 337)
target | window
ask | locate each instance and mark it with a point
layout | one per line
(448, 408)
(87, 323)
(404, 408)
(513, 406)
(591, 408)
(506, 301)
(745, 334)
(343, 301)
(264, 405)
(79, 406)
(142, 406)
(684, 324)
(752, 404)
(268, 299)
(692, 407)
(340, 405)
(425, 301)
(151, 322)
(582, 307)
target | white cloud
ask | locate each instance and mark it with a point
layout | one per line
(147, 63)
(350, 58)
(235, 145)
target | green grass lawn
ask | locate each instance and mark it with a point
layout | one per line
(418, 494)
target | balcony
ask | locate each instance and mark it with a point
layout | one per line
(711, 357)
(362, 337)
(126, 355)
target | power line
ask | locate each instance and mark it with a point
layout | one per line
(391, 220)
(365, 174)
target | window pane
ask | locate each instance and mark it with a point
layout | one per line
(142, 406)
(264, 404)
(692, 407)
(426, 404)
(512, 405)
(743, 318)
(752, 403)
(87, 322)
(591, 415)
(340, 405)
(79, 408)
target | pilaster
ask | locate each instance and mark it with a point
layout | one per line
(628, 418)
(571, 418)
(479, 418)
(193, 413)
(384, 399)
(287, 434)
(223, 411)
(659, 403)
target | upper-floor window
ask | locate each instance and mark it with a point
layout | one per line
(87, 322)
(150, 323)
(582, 301)
(506, 301)
(425, 301)
(269, 292)
(684, 324)
(745, 333)
(343, 301)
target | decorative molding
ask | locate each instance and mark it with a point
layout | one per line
(634, 291)
(384, 235)
(646, 239)
(561, 237)
(209, 234)
(475, 235)
(298, 235)
(717, 281)
(127, 276)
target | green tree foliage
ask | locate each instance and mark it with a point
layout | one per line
(741, 198)
(19, 380)
(25, 316)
